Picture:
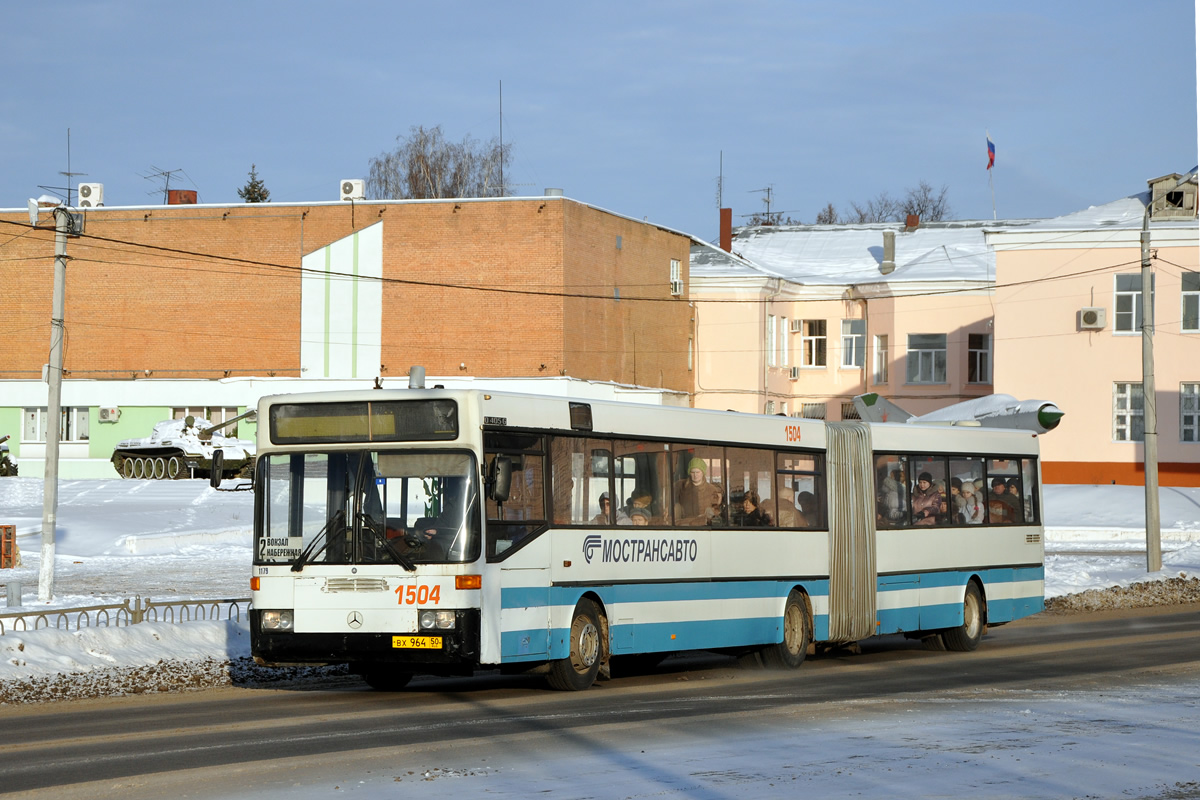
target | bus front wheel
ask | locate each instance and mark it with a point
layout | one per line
(797, 636)
(966, 637)
(579, 669)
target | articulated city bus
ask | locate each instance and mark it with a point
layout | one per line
(435, 531)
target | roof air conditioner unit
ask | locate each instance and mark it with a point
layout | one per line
(676, 288)
(91, 195)
(797, 325)
(110, 414)
(795, 373)
(1091, 319)
(353, 190)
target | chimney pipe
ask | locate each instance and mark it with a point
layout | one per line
(912, 222)
(727, 230)
(889, 253)
(416, 378)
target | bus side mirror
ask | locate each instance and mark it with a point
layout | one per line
(218, 466)
(501, 478)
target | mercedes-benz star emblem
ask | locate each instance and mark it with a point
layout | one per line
(354, 620)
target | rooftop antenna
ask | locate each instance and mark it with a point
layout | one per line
(721, 179)
(165, 174)
(502, 138)
(766, 198)
(68, 174)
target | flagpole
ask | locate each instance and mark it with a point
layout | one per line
(993, 188)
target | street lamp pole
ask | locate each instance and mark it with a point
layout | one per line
(1150, 406)
(62, 225)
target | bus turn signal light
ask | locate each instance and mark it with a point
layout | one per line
(254, 583)
(468, 581)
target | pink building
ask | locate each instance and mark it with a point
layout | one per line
(1069, 329)
(799, 319)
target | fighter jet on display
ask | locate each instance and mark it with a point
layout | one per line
(993, 411)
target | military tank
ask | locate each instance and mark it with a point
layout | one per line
(183, 448)
(8, 467)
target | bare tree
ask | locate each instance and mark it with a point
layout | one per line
(425, 165)
(828, 215)
(923, 202)
(881, 208)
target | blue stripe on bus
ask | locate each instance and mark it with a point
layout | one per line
(542, 643)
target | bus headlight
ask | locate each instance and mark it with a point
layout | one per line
(276, 620)
(437, 619)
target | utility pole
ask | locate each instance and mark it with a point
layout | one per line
(1150, 406)
(63, 224)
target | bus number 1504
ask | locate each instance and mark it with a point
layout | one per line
(412, 595)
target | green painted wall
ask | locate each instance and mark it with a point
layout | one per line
(135, 422)
(10, 423)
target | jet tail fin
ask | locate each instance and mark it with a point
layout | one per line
(873, 408)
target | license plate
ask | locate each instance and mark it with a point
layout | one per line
(417, 642)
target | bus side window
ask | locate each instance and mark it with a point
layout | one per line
(800, 490)
(1028, 485)
(579, 478)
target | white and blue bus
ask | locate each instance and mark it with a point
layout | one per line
(436, 531)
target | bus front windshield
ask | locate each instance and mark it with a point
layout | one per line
(368, 507)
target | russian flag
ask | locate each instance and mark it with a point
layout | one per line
(991, 152)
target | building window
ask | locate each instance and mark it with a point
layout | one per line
(771, 358)
(783, 341)
(927, 358)
(849, 411)
(1128, 409)
(676, 278)
(1128, 302)
(770, 407)
(1191, 302)
(979, 358)
(1189, 412)
(73, 426)
(812, 343)
(854, 339)
(881, 359)
(812, 410)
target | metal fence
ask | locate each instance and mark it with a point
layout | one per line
(126, 612)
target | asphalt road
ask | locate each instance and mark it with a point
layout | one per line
(226, 742)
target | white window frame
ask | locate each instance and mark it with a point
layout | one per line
(783, 342)
(1129, 410)
(772, 359)
(854, 339)
(927, 351)
(75, 424)
(880, 358)
(979, 358)
(814, 349)
(1189, 302)
(1189, 413)
(214, 414)
(1128, 321)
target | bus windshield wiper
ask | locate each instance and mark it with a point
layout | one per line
(322, 535)
(367, 524)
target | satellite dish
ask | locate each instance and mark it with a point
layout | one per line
(33, 212)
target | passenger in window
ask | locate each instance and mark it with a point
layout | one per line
(1014, 491)
(788, 516)
(639, 516)
(810, 511)
(605, 515)
(753, 515)
(697, 502)
(892, 497)
(639, 501)
(956, 501)
(926, 501)
(1000, 506)
(972, 507)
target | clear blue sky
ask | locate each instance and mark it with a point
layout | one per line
(625, 105)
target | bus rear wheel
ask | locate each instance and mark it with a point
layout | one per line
(797, 636)
(966, 637)
(579, 669)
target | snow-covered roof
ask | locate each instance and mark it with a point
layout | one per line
(1128, 212)
(841, 255)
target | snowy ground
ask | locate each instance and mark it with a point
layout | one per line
(182, 540)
